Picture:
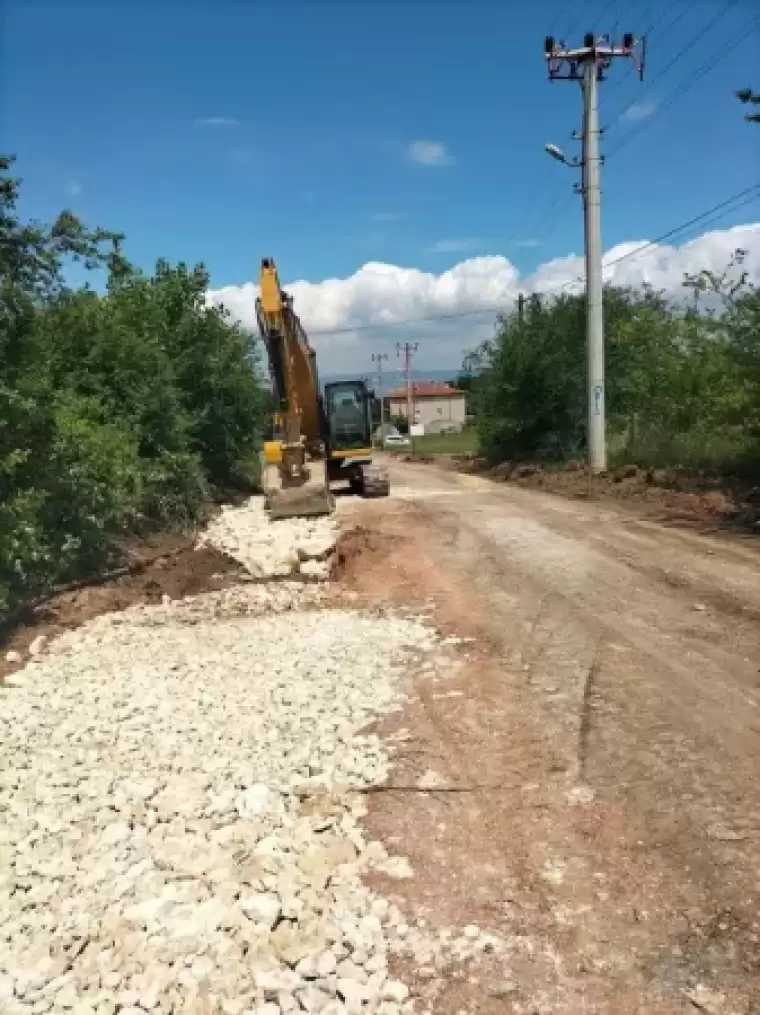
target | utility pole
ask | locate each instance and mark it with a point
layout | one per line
(378, 357)
(587, 65)
(408, 351)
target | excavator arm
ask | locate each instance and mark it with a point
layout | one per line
(292, 361)
(295, 473)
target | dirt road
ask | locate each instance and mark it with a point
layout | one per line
(599, 759)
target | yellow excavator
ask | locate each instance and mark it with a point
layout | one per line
(317, 437)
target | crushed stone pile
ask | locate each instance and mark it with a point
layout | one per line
(181, 797)
(270, 549)
(181, 823)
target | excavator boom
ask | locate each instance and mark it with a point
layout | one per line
(294, 470)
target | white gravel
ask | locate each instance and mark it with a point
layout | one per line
(179, 815)
(273, 548)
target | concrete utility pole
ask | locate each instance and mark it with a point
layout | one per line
(587, 65)
(408, 351)
(378, 357)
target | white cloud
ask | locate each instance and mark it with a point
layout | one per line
(359, 309)
(429, 153)
(454, 246)
(639, 111)
(217, 121)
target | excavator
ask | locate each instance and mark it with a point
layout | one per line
(318, 437)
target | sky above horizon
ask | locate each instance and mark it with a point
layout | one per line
(391, 155)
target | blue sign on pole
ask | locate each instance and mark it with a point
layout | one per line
(598, 400)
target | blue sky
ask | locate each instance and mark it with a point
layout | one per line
(332, 135)
(103, 103)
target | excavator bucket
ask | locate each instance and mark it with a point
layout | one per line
(301, 500)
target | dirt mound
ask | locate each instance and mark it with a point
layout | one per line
(166, 565)
(358, 548)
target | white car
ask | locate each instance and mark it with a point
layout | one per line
(396, 441)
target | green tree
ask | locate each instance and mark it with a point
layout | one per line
(683, 381)
(748, 96)
(118, 410)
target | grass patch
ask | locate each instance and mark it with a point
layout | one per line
(465, 442)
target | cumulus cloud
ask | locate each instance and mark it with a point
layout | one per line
(429, 153)
(451, 311)
(217, 121)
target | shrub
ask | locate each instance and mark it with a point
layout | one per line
(117, 411)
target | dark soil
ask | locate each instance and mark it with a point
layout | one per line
(161, 565)
(357, 547)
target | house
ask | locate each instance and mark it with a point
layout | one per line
(436, 406)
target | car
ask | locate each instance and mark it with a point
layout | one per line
(396, 441)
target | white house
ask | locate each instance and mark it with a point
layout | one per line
(436, 406)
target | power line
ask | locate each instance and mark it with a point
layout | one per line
(622, 12)
(547, 222)
(702, 221)
(675, 16)
(546, 218)
(612, 88)
(718, 211)
(541, 212)
(693, 221)
(679, 55)
(574, 24)
(706, 218)
(565, 9)
(685, 87)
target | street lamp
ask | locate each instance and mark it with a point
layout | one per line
(557, 154)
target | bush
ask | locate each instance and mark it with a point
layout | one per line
(683, 384)
(117, 411)
(60, 510)
(401, 423)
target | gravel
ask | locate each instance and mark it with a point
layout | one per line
(180, 804)
(273, 548)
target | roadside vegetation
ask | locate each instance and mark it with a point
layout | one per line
(683, 381)
(119, 412)
(463, 442)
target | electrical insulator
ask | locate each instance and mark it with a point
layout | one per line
(628, 40)
(549, 45)
(588, 40)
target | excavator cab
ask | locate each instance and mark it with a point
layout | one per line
(348, 416)
(347, 425)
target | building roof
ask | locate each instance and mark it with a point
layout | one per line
(426, 389)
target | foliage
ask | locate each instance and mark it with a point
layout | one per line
(683, 382)
(747, 95)
(117, 411)
(400, 422)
